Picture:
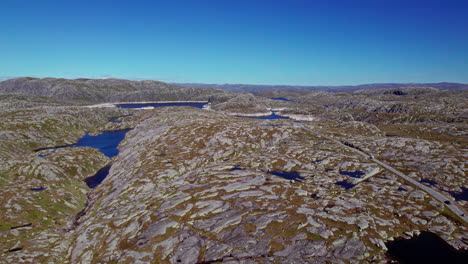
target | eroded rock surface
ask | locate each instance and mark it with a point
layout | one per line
(195, 186)
(210, 197)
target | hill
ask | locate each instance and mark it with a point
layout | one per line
(104, 90)
(259, 89)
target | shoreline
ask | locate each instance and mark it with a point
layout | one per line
(299, 117)
(250, 114)
(207, 107)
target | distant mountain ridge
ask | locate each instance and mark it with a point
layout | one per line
(105, 90)
(252, 88)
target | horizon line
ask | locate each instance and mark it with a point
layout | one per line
(4, 78)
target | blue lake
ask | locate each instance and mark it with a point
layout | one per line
(106, 142)
(137, 105)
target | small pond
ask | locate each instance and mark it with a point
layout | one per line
(425, 248)
(289, 175)
(428, 181)
(141, 105)
(401, 189)
(37, 189)
(460, 196)
(95, 180)
(355, 174)
(345, 184)
(282, 99)
(237, 167)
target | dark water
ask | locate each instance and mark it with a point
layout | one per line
(269, 117)
(15, 249)
(197, 105)
(354, 174)
(289, 175)
(460, 196)
(345, 184)
(401, 189)
(428, 181)
(106, 142)
(237, 167)
(426, 248)
(52, 151)
(282, 99)
(95, 180)
(21, 226)
(37, 189)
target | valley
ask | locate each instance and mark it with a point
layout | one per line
(315, 177)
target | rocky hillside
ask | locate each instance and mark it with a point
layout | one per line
(104, 90)
(385, 106)
(195, 186)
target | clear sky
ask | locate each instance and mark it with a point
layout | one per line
(302, 42)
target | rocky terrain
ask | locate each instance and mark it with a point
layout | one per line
(245, 103)
(385, 106)
(40, 193)
(197, 186)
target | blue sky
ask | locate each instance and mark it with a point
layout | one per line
(301, 42)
